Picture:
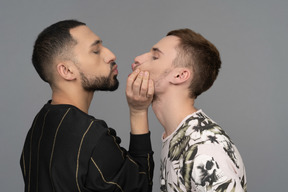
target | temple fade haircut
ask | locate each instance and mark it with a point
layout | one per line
(53, 42)
(201, 56)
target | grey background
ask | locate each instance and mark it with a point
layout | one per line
(248, 99)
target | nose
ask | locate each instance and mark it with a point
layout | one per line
(109, 56)
(136, 63)
(139, 60)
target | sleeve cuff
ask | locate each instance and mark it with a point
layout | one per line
(140, 144)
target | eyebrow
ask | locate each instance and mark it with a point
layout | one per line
(155, 49)
(97, 42)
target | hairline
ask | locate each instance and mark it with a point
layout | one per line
(66, 54)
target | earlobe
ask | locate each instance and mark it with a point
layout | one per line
(65, 71)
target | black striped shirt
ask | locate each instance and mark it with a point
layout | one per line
(68, 150)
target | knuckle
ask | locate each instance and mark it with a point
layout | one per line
(144, 89)
(130, 78)
(137, 83)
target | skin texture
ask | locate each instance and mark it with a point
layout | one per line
(94, 66)
(141, 89)
(158, 61)
(171, 83)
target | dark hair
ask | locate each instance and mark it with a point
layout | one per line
(197, 53)
(52, 42)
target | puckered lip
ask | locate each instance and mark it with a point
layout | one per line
(133, 66)
(114, 67)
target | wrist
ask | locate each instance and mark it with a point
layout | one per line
(139, 121)
(138, 112)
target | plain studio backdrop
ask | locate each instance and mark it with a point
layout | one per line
(249, 98)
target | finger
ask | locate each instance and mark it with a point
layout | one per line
(144, 85)
(130, 80)
(150, 92)
(137, 83)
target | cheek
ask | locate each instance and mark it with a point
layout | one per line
(97, 69)
(154, 75)
(152, 68)
(103, 70)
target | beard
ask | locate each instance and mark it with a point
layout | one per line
(108, 83)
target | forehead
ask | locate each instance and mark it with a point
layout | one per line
(168, 44)
(83, 35)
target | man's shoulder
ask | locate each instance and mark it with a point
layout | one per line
(199, 122)
(71, 115)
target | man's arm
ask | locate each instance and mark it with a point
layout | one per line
(139, 93)
(111, 167)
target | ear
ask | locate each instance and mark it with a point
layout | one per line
(66, 71)
(180, 75)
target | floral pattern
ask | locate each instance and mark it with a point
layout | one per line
(200, 156)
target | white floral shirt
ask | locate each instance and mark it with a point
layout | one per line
(200, 156)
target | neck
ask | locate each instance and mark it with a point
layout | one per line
(171, 109)
(78, 98)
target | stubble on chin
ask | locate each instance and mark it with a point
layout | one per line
(109, 83)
